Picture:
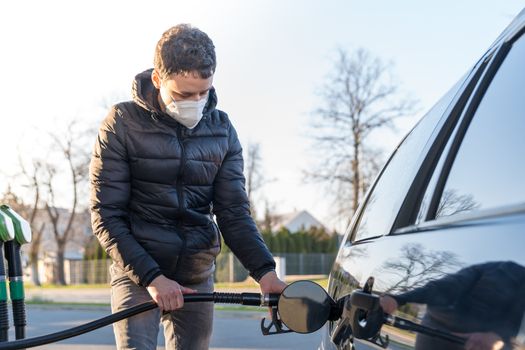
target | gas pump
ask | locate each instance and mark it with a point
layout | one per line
(15, 270)
(7, 233)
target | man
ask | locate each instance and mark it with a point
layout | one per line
(163, 164)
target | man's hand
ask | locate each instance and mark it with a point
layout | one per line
(483, 341)
(388, 304)
(167, 293)
(270, 283)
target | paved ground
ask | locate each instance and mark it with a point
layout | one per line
(232, 330)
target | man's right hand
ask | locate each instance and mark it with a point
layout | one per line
(167, 293)
(388, 304)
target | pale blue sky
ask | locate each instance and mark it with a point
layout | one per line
(60, 59)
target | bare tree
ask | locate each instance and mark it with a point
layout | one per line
(417, 266)
(453, 203)
(28, 176)
(76, 157)
(255, 178)
(359, 98)
(53, 173)
(33, 182)
(269, 218)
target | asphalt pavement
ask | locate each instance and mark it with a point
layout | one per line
(232, 330)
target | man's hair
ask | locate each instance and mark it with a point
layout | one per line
(183, 49)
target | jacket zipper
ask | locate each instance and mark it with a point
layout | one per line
(179, 185)
(180, 190)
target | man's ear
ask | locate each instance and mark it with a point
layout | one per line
(155, 78)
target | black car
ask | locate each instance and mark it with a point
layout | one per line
(439, 240)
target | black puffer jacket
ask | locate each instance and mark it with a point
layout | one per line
(155, 186)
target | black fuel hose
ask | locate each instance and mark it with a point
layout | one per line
(253, 299)
(4, 313)
(16, 287)
(405, 324)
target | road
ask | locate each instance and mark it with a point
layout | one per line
(232, 330)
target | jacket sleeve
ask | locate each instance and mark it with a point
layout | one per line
(232, 208)
(109, 175)
(443, 291)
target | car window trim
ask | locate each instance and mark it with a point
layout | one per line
(514, 34)
(468, 114)
(497, 60)
(476, 83)
(352, 229)
(412, 201)
(409, 210)
(463, 219)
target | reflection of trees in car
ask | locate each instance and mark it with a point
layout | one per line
(453, 203)
(350, 252)
(344, 279)
(486, 301)
(416, 267)
(341, 275)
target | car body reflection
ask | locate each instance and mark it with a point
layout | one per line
(485, 301)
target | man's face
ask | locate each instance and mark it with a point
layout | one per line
(187, 87)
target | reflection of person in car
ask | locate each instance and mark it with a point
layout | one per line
(484, 303)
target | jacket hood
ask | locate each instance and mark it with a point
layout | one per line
(145, 94)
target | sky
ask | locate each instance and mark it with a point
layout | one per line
(62, 60)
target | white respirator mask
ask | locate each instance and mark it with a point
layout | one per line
(188, 113)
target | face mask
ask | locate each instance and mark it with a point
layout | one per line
(188, 113)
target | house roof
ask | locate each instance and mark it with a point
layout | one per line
(296, 221)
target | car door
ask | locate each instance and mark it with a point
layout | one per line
(442, 228)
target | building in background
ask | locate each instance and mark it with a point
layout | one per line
(296, 221)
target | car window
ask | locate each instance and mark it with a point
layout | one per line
(488, 170)
(389, 191)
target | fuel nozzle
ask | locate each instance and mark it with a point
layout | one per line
(302, 307)
(364, 314)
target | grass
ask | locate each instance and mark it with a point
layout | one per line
(236, 285)
(70, 286)
(250, 283)
(44, 302)
(240, 308)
